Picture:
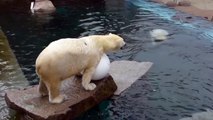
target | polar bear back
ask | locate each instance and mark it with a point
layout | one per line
(68, 55)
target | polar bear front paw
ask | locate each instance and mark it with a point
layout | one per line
(90, 86)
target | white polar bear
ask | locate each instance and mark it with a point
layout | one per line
(67, 57)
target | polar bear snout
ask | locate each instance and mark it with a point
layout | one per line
(123, 46)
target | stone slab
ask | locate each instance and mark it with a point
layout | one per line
(125, 73)
(43, 5)
(206, 115)
(202, 8)
(31, 106)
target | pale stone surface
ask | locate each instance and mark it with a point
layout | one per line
(184, 3)
(201, 4)
(171, 3)
(202, 8)
(125, 73)
(208, 115)
(43, 5)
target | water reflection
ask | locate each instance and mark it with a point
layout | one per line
(43, 17)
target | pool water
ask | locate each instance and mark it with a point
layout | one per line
(180, 81)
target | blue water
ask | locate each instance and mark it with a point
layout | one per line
(169, 14)
(180, 81)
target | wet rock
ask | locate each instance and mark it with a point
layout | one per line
(43, 5)
(171, 4)
(31, 106)
(125, 73)
(207, 115)
(184, 3)
(212, 18)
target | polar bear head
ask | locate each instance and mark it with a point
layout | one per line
(118, 41)
(106, 43)
(112, 42)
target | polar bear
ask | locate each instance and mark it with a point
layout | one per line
(67, 57)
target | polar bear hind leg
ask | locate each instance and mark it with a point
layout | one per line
(54, 91)
(42, 88)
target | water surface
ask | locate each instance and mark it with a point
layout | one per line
(180, 81)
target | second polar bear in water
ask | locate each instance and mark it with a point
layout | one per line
(67, 57)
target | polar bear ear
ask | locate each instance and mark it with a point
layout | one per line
(110, 33)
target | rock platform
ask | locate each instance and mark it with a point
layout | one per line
(31, 106)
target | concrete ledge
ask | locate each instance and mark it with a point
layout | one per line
(31, 106)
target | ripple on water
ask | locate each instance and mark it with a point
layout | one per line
(178, 84)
